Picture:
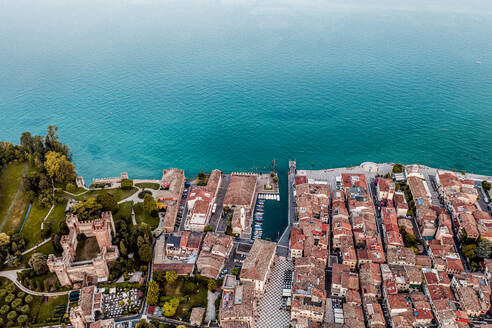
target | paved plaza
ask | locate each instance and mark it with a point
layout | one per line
(270, 312)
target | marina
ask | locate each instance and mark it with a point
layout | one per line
(259, 213)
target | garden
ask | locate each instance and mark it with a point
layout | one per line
(178, 295)
(18, 308)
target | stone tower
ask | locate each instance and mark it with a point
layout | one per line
(59, 266)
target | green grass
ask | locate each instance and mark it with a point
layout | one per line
(125, 211)
(32, 226)
(45, 249)
(57, 216)
(119, 194)
(143, 216)
(149, 185)
(10, 179)
(40, 312)
(198, 299)
(46, 310)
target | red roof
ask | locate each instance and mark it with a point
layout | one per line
(300, 179)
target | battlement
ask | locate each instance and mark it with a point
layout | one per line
(100, 228)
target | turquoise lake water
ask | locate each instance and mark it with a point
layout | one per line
(138, 86)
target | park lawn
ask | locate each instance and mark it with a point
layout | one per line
(118, 193)
(32, 227)
(10, 179)
(46, 310)
(149, 185)
(198, 299)
(45, 249)
(143, 217)
(57, 216)
(125, 211)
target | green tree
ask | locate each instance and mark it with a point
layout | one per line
(153, 293)
(484, 249)
(3, 292)
(4, 239)
(27, 142)
(410, 240)
(171, 276)
(25, 309)
(470, 251)
(397, 168)
(28, 299)
(126, 184)
(142, 324)
(123, 249)
(486, 185)
(169, 308)
(70, 187)
(37, 262)
(22, 319)
(4, 309)
(16, 303)
(12, 315)
(235, 271)
(108, 202)
(59, 167)
(211, 284)
(9, 298)
(88, 209)
(149, 204)
(11, 288)
(159, 276)
(145, 253)
(189, 288)
(207, 228)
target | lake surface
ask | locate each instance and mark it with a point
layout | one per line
(139, 86)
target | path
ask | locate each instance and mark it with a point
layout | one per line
(134, 197)
(34, 247)
(12, 276)
(271, 312)
(49, 212)
(211, 297)
(76, 195)
(31, 249)
(19, 188)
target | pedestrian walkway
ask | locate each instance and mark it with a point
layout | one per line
(270, 311)
(38, 245)
(12, 276)
(211, 297)
(47, 215)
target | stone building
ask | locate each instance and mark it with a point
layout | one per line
(67, 269)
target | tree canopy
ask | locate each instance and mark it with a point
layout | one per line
(153, 293)
(171, 276)
(59, 167)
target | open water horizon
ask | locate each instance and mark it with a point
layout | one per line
(138, 86)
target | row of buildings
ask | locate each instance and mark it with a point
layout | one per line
(238, 307)
(381, 281)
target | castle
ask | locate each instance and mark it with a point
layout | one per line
(67, 270)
